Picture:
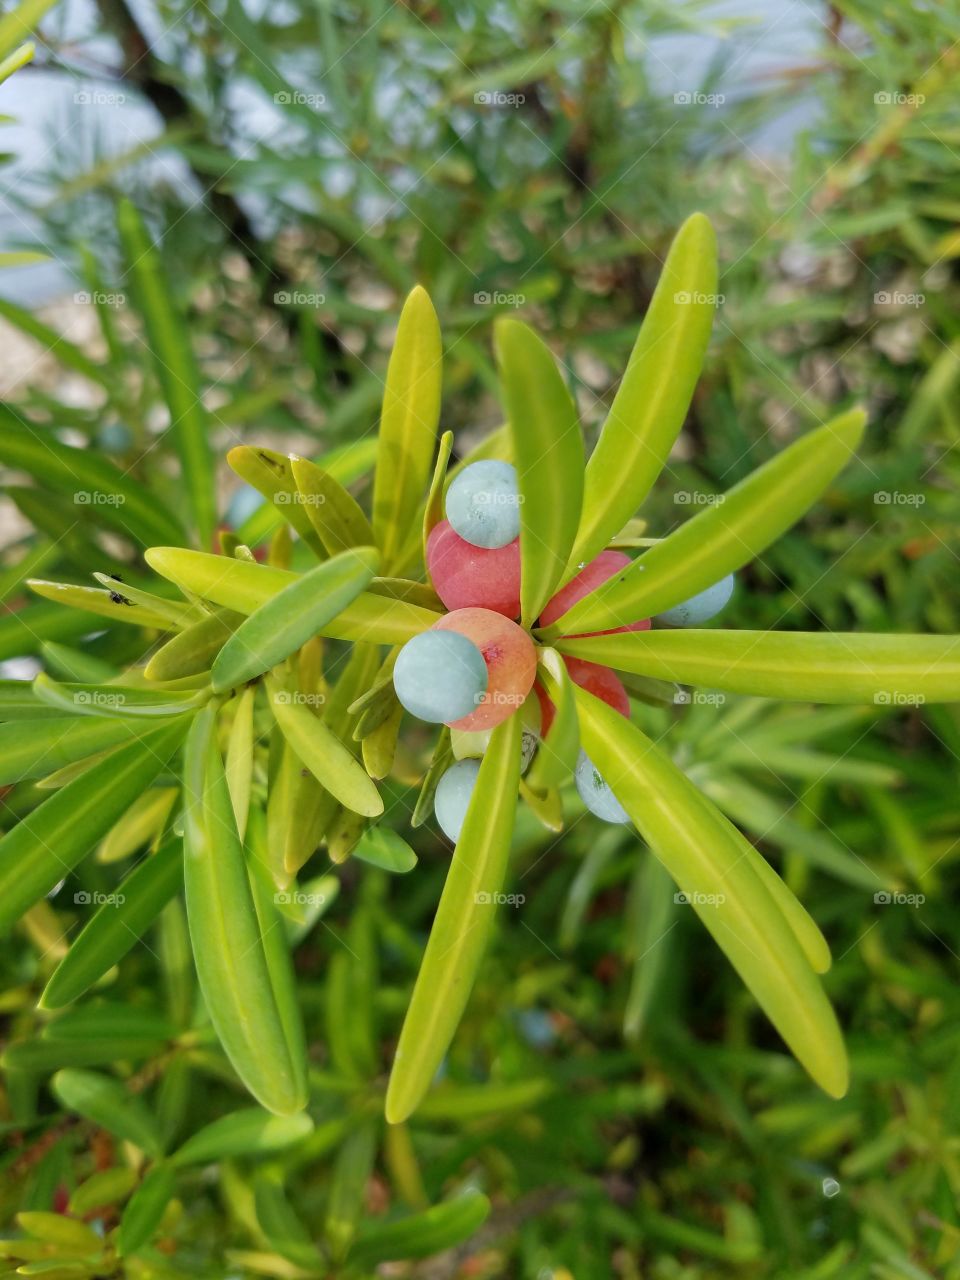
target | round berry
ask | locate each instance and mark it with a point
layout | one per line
(701, 607)
(483, 504)
(440, 675)
(600, 569)
(464, 575)
(453, 796)
(595, 793)
(511, 664)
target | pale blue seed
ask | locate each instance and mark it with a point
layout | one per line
(699, 608)
(483, 504)
(440, 676)
(453, 796)
(595, 793)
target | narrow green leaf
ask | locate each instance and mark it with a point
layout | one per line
(433, 510)
(421, 1235)
(20, 23)
(548, 455)
(44, 1056)
(142, 824)
(37, 748)
(248, 1133)
(193, 650)
(225, 932)
(440, 761)
(239, 760)
(382, 847)
(721, 537)
(408, 425)
(887, 670)
(110, 1105)
(110, 700)
(709, 861)
(556, 756)
(168, 343)
(652, 401)
(57, 1229)
(280, 1224)
(97, 488)
(102, 1189)
(38, 853)
(290, 618)
(333, 512)
(379, 745)
(145, 1209)
(323, 753)
(461, 926)
(351, 1172)
(243, 586)
(98, 601)
(116, 926)
(271, 474)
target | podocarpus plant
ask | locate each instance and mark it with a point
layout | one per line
(277, 760)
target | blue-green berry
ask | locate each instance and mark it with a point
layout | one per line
(596, 794)
(440, 676)
(483, 504)
(453, 796)
(699, 608)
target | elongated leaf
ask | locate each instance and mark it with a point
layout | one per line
(323, 753)
(38, 853)
(249, 1132)
(17, 25)
(225, 933)
(548, 455)
(433, 509)
(721, 537)
(239, 761)
(102, 1189)
(652, 401)
(116, 926)
(43, 1055)
(334, 513)
(351, 1172)
(109, 700)
(556, 756)
(279, 1222)
(408, 425)
(707, 860)
(55, 1228)
(95, 485)
(461, 926)
(95, 600)
(290, 618)
(421, 1235)
(176, 613)
(382, 847)
(109, 1104)
(276, 949)
(32, 750)
(271, 473)
(887, 670)
(193, 649)
(143, 822)
(243, 586)
(145, 1209)
(168, 343)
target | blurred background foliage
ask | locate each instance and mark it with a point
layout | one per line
(300, 166)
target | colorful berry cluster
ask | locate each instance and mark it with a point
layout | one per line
(476, 666)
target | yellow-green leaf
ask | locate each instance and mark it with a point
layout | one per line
(461, 926)
(548, 456)
(723, 536)
(707, 860)
(408, 425)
